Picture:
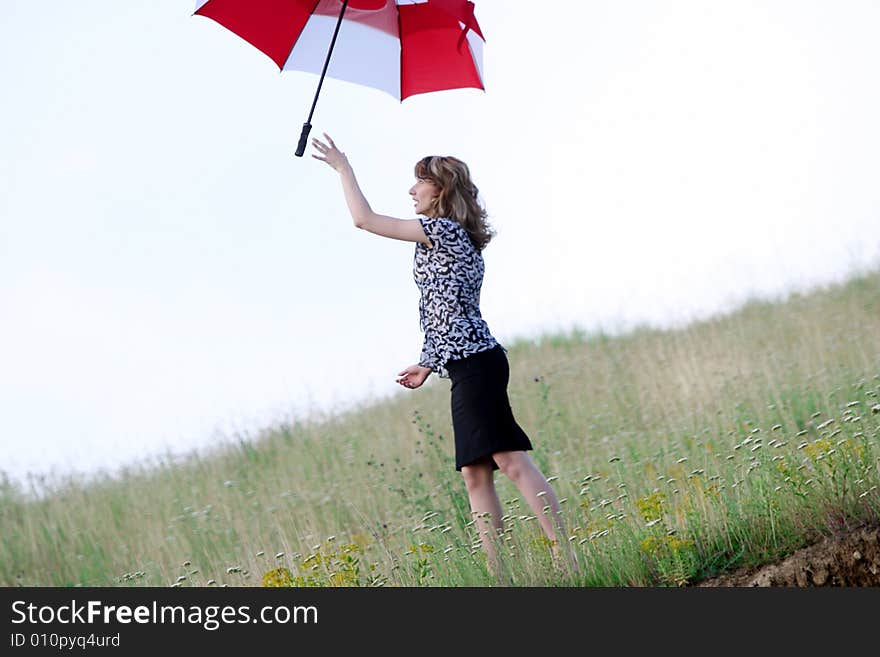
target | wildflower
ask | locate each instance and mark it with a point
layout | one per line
(651, 506)
(277, 578)
(818, 449)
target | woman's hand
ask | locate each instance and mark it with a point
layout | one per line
(413, 376)
(329, 153)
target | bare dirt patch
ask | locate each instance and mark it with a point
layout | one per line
(846, 559)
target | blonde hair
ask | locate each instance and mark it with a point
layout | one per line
(458, 196)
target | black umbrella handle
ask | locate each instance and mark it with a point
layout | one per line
(308, 124)
(303, 138)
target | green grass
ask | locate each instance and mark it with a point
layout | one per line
(679, 454)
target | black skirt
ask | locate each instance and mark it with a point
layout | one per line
(482, 419)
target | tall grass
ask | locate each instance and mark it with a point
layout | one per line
(678, 454)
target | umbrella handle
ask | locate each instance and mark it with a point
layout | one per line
(303, 138)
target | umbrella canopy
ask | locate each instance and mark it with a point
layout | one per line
(402, 47)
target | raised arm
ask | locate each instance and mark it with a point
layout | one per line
(362, 214)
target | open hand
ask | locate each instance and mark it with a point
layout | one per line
(329, 153)
(413, 376)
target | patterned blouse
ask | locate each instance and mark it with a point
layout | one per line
(449, 277)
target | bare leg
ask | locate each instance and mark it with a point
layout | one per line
(486, 509)
(541, 498)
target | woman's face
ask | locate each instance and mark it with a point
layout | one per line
(423, 193)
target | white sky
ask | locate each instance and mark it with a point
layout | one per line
(171, 274)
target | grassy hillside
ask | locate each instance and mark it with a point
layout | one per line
(679, 454)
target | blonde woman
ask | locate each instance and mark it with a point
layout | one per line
(449, 237)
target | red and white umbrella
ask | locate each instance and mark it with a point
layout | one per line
(402, 47)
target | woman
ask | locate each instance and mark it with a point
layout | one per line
(448, 269)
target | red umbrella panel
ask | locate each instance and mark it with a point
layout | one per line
(404, 48)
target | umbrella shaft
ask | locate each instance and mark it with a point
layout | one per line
(327, 61)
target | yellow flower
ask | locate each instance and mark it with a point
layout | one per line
(650, 545)
(655, 546)
(819, 447)
(651, 506)
(678, 545)
(343, 578)
(312, 560)
(278, 577)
